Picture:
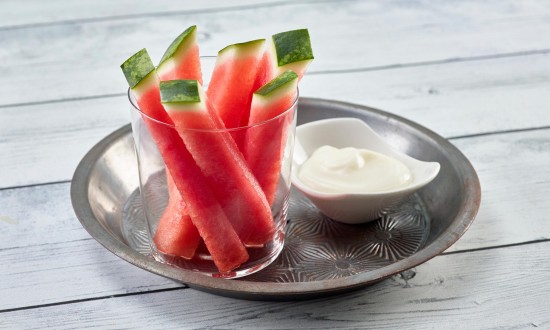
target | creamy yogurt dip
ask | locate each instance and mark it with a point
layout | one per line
(351, 170)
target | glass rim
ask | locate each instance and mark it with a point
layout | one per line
(135, 107)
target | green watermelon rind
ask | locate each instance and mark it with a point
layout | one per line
(179, 91)
(177, 44)
(244, 47)
(278, 83)
(137, 68)
(292, 46)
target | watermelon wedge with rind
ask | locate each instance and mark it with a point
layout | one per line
(205, 211)
(264, 144)
(181, 60)
(231, 86)
(290, 50)
(220, 160)
(140, 73)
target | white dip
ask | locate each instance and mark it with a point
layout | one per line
(351, 170)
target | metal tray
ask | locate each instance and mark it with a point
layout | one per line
(321, 257)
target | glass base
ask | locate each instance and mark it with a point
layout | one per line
(137, 235)
(202, 262)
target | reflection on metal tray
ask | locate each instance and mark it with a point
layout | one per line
(321, 256)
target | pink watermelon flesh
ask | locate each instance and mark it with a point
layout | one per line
(230, 89)
(188, 66)
(176, 234)
(217, 155)
(264, 144)
(223, 243)
(181, 61)
(266, 69)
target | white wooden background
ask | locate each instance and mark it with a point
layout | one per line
(476, 72)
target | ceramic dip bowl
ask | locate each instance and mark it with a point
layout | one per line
(354, 208)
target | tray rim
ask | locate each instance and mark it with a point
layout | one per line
(239, 288)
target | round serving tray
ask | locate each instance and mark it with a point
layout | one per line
(321, 257)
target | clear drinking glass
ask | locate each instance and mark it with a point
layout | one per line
(155, 191)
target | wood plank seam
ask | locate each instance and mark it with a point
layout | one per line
(493, 247)
(518, 130)
(35, 185)
(169, 13)
(542, 51)
(76, 301)
(70, 99)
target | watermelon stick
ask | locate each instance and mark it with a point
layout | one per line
(176, 233)
(181, 59)
(264, 144)
(205, 211)
(220, 160)
(290, 50)
(230, 89)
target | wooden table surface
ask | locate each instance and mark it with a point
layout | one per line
(476, 72)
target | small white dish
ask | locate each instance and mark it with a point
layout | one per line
(354, 208)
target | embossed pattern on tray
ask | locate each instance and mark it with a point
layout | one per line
(316, 247)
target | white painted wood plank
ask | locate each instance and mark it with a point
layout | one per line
(14, 13)
(68, 270)
(44, 143)
(496, 288)
(48, 140)
(38, 216)
(52, 258)
(73, 60)
(514, 171)
(452, 99)
(45, 245)
(513, 200)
